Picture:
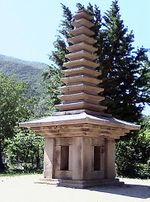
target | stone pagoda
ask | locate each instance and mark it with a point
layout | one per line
(81, 90)
(80, 139)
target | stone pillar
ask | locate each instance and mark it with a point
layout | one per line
(77, 158)
(49, 158)
(81, 158)
(87, 158)
(110, 159)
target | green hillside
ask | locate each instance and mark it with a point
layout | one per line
(30, 72)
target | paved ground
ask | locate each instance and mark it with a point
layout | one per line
(24, 189)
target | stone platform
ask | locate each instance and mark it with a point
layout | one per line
(80, 184)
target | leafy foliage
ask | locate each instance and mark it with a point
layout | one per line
(52, 78)
(13, 109)
(13, 106)
(24, 152)
(133, 153)
(58, 55)
(125, 69)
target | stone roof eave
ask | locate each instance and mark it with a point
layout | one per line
(78, 119)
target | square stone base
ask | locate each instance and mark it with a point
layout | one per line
(81, 183)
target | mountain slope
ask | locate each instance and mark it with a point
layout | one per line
(29, 72)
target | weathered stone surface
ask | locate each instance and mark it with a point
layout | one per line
(82, 22)
(81, 46)
(77, 88)
(49, 150)
(97, 121)
(81, 62)
(81, 96)
(82, 15)
(82, 38)
(81, 54)
(80, 139)
(81, 30)
(80, 71)
(81, 79)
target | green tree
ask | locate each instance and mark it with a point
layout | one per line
(52, 76)
(125, 69)
(126, 80)
(13, 109)
(24, 151)
(133, 153)
(52, 81)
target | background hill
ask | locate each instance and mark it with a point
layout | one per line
(29, 72)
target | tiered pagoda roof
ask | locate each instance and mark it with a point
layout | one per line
(81, 112)
(81, 90)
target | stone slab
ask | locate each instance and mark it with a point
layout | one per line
(81, 184)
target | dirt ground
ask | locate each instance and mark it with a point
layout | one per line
(24, 189)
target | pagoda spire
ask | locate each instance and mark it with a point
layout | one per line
(81, 90)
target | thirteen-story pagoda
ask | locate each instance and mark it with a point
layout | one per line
(80, 139)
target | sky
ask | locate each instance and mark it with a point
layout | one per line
(28, 28)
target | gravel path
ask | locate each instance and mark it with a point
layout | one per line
(24, 189)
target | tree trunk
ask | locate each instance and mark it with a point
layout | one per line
(2, 167)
